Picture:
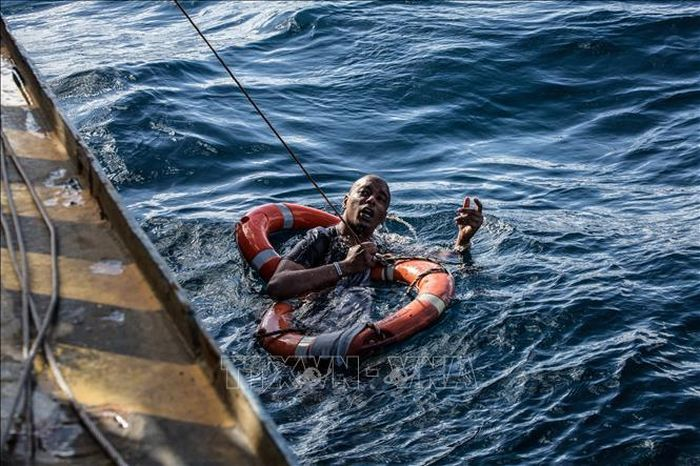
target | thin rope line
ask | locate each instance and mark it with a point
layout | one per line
(269, 123)
(56, 370)
(43, 327)
(26, 368)
(26, 388)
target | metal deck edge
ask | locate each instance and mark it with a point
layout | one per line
(271, 447)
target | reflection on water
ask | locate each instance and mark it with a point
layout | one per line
(573, 334)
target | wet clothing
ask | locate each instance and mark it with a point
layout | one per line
(340, 312)
(323, 246)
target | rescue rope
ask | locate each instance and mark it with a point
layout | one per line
(291, 153)
(391, 259)
(276, 333)
(268, 122)
(422, 275)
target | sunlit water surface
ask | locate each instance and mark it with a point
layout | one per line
(573, 336)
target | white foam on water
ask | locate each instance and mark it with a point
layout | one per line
(10, 95)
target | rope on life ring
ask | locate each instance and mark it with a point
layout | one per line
(277, 332)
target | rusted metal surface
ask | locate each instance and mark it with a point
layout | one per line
(126, 338)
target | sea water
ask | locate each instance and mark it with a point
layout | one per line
(573, 335)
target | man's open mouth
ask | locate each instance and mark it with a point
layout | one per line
(367, 214)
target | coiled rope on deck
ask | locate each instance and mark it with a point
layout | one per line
(23, 276)
(42, 327)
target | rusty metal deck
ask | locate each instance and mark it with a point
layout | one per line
(125, 337)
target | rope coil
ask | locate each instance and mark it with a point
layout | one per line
(43, 327)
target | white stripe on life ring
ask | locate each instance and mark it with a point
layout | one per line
(302, 348)
(388, 273)
(287, 215)
(438, 303)
(262, 257)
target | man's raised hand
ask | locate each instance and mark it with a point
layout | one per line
(468, 222)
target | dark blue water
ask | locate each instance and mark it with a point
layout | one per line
(573, 337)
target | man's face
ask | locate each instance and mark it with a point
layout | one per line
(366, 204)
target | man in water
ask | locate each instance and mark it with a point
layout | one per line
(328, 257)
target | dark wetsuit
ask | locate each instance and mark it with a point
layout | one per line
(323, 246)
(343, 310)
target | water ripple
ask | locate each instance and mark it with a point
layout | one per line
(573, 334)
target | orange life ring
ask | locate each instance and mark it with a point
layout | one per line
(276, 332)
(252, 231)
